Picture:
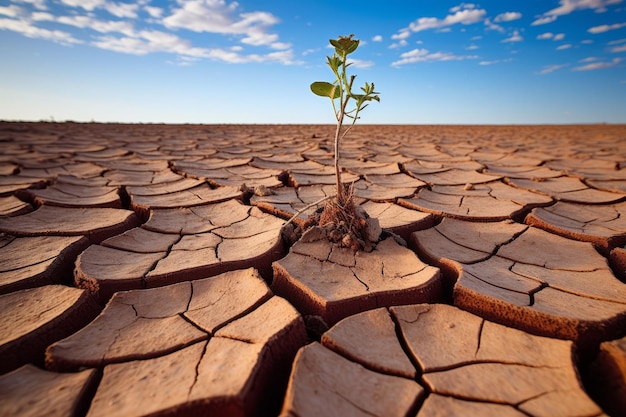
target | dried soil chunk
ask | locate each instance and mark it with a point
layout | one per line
(197, 196)
(130, 327)
(29, 391)
(241, 371)
(323, 383)
(64, 194)
(141, 324)
(494, 201)
(191, 220)
(181, 245)
(13, 206)
(439, 406)
(398, 219)
(603, 225)
(141, 240)
(466, 357)
(569, 189)
(220, 299)
(528, 279)
(36, 261)
(95, 223)
(157, 384)
(103, 270)
(370, 339)
(452, 177)
(337, 282)
(164, 188)
(32, 319)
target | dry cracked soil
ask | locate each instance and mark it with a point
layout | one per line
(143, 271)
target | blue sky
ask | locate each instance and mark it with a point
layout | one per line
(251, 61)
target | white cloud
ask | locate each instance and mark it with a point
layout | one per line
(88, 5)
(472, 47)
(399, 44)
(217, 16)
(495, 61)
(564, 46)
(568, 6)
(617, 41)
(464, 14)
(515, 37)
(589, 59)
(38, 4)
(423, 55)
(377, 38)
(402, 34)
(550, 35)
(492, 26)
(152, 41)
(598, 65)
(617, 49)
(462, 6)
(359, 63)
(586, 41)
(11, 11)
(27, 29)
(551, 68)
(155, 12)
(122, 9)
(605, 28)
(543, 20)
(507, 17)
(102, 26)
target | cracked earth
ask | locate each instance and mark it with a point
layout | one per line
(143, 272)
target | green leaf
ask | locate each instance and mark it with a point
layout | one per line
(344, 45)
(325, 89)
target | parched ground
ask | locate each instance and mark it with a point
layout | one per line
(143, 271)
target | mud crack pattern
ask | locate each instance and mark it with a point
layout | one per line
(143, 271)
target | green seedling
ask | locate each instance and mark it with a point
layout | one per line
(345, 103)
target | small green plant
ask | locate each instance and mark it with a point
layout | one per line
(342, 99)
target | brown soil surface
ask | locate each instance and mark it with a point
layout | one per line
(144, 271)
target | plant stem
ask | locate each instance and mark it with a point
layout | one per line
(345, 97)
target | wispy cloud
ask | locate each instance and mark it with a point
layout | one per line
(27, 29)
(423, 55)
(515, 37)
(551, 68)
(118, 22)
(507, 17)
(568, 6)
(217, 16)
(464, 14)
(564, 46)
(495, 61)
(547, 35)
(605, 28)
(128, 10)
(377, 38)
(493, 26)
(618, 49)
(360, 63)
(598, 65)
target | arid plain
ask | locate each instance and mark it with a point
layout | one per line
(143, 271)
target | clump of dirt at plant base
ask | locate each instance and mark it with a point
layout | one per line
(342, 222)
